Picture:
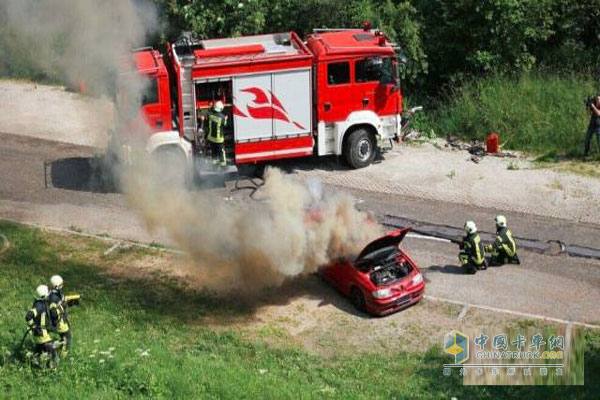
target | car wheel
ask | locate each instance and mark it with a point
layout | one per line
(357, 298)
(360, 148)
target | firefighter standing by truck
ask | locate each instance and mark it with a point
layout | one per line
(472, 252)
(504, 248)
(215, 136)
(58, 313)
(38, 320)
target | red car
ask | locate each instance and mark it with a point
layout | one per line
(382, 279)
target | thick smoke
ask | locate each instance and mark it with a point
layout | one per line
(83, 40)
(291, 231)
(243, 246)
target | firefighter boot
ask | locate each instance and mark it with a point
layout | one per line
(465, 263)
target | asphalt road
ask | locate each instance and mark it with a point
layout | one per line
(69, 194)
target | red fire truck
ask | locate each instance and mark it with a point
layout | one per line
(336, 93)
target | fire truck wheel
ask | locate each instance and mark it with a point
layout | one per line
(359, 148)
(172, 167)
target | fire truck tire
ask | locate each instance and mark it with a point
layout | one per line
(173, 170)
(359, 148)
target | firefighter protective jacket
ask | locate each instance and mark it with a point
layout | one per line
(37, 318)
(216, 122)
(473, 247)
(58, 311)
(505, 242)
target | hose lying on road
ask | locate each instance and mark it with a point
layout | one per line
(453, 234)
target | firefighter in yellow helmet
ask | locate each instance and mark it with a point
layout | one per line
(58, 313)
(38, 320)
(217, 121)
(504, 248)
(472, 253)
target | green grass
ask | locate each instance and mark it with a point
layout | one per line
(161, 349)
(537, 112)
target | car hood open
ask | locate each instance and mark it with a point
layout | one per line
(391, 239)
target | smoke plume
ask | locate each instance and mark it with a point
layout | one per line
(81, 41)
(244, 246)
(291, 231)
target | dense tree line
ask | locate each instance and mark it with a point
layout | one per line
(446, 41)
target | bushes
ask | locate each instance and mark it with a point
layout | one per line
(536, 112)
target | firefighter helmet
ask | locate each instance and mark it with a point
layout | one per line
(42, 291)
(56, 281)
(218, 106)
(500, 221)
(470, 227)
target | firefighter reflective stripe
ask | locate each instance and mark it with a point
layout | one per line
(509, 244)
(215, 128)
(41, 336)
(58, 314)
(37, 320)
(478, 256)
(504, 241)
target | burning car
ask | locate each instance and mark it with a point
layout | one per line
(381, 280)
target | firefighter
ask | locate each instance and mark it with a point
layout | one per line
(216, 123)
(472, 253)
(38, 321)
(58, 313)
(504, 248)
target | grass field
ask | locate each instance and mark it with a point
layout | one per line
(537, 112)
(142, 336)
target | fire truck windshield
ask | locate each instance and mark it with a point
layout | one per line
(375, 69)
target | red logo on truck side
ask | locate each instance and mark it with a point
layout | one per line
(265, 105)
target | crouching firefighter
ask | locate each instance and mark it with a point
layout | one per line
(504, 248)
(38, 321)
(58, 314)
(216, 123)
(472, 252)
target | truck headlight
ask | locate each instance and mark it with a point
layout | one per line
(418, 278)
(382, 293)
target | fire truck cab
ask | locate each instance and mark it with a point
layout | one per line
(337, 93)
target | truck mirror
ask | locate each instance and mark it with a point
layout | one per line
(402, 59)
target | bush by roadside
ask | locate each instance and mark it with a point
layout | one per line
(535, 112)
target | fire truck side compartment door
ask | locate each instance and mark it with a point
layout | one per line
(252, 112)
(292, 102)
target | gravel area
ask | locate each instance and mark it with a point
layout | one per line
(51, 112)
(431, 171)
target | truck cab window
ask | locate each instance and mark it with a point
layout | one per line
(374, 69)
(150, 92)
(338, 73)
